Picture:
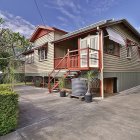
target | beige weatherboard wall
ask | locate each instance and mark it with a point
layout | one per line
(126, 70)
(43, 67)
(122, 63)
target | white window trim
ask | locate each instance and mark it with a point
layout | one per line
(138, 49)
(40, 59)
(92, 52)
(29, 58)
(130, 49)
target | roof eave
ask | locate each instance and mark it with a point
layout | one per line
(56, 29)
(105, 24)
(131, 27)
(32, 38)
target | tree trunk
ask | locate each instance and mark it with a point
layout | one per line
(88, 90)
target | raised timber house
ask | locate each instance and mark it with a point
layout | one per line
(110, 48)
(39, 61)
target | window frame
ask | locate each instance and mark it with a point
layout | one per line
(138, 52)
(31, 57)
(107, 43)
(43, 53)
(129, 48)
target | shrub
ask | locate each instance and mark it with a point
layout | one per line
(8, 109)
(61, 83)
(37, 83)
(19, 77)
(4, 87)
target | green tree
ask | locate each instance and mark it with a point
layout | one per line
(11, 46)
(1, 21)
(14, 43)
(3, 60)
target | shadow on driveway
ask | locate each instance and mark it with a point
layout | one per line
(46, 116)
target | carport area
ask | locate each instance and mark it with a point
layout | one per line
(46, 116)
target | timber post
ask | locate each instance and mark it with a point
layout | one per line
(101, 63)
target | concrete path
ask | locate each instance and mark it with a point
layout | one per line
(46, 116)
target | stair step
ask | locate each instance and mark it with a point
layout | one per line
(71, 75)
(74, 70)
(55, 90)
(68, 75)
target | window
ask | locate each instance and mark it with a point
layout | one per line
(32, 58)
(129, 51)
(94, 43)
(29, 58)
(139, 52)
(111, 47)
(43, 52)
(83, 44)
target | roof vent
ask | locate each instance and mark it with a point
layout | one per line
(110, 20)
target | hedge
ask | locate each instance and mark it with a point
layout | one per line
(8, 109)
(5, 87)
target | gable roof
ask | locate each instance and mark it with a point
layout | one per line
(41, 27)
(101, 24)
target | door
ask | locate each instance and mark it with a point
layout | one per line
(110, 85)
(93, 55)
(93, 43)
(83, 53)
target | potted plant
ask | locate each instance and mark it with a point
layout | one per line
(61, 87)
(37, 82)
(88, 95)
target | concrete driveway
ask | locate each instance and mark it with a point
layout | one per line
(46, 116)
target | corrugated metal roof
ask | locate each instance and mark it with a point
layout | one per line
(85, 29)
(95, 25)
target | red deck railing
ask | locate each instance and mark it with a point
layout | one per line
(63, 63)
(73, 59)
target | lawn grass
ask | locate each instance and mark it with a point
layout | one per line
(21, 83)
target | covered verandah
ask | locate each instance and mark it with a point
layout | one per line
(78, 53)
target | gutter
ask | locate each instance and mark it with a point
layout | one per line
(105, 23)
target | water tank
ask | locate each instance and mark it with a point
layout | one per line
(79, 86)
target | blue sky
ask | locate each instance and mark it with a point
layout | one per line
(22, 15)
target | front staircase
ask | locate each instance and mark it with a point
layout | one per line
(54, 86)
(74, 61)
(69, 74)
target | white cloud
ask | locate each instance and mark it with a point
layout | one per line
(67, 13)
(69, 9)
(80, 14)
(103, 6)
(64, 6)
(17, 24)
(62, 19)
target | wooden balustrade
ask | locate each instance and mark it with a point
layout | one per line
(73, 59)
(62, 65)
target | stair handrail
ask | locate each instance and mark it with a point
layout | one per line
(59, 63)
(64, 76)
(57, 71)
